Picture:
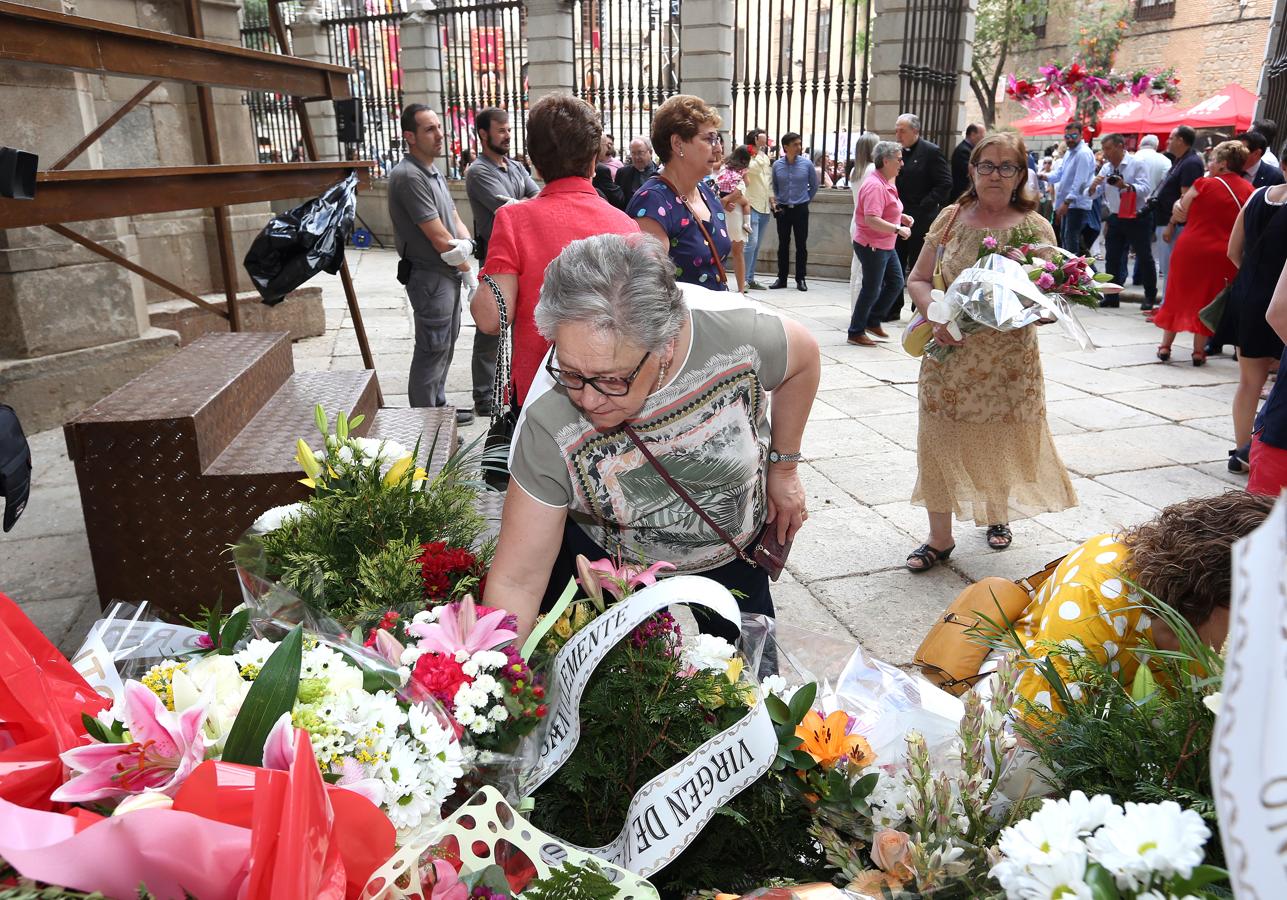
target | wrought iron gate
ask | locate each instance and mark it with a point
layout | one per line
(802, 65)
(626, 61)
(369, 44)
(484, 63)
(929, 76)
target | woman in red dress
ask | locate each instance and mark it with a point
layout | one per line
(1200, 266)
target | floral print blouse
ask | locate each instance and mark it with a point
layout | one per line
(689, 251)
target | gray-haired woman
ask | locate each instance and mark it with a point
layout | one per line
(691, 383)
(879, 222)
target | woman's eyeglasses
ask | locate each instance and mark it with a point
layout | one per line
(608, 385)
(713, 138)
(1007, 170)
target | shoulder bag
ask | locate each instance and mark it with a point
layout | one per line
(953, 651)
(706, 235)
(500, 434)
(919, 330)
(1211, 314)
(766, 550)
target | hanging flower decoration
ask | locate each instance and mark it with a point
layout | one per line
(1085, 89)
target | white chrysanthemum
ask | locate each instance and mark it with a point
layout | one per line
(255, 653)
(1158, 895)
(379, 451)
(427, 616)
(410, 655)
(889, 800)
(708, 651)
(464, 715)
(498, 713)
(272, 519)
(1063, 878)
(1049, 835)
(433, 735)
(773, 684)
(1150, 839)
(409, 797)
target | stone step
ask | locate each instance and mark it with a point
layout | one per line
(195, 402)
(302, 314)
(266, 445)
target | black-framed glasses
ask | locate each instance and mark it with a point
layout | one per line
(1007, 170)
(608, 385)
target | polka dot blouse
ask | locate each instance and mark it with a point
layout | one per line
(1087, 603)
(692, 256)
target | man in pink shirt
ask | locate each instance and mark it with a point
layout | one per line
(878, 223)
(563, 142)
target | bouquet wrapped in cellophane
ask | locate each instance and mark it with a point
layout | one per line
(1012, 287)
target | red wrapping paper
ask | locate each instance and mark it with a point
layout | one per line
(41, 701)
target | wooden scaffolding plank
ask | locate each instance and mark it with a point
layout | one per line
(43, 38)
(74, 196)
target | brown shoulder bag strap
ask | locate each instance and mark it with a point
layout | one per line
(706, 235)
(683, 495)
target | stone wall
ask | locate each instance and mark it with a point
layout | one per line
(1210, 43)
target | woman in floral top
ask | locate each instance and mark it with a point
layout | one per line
(731, 184)
(674, 206)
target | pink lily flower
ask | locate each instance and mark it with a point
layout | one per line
(620, 580)
(460, 627)
(279, 753)
(162, 752)
(279, 746)
(446, 883)
(388, 647)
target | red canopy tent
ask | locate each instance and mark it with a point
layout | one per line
(1046, 122)
(1135, 116)
(1233, 106)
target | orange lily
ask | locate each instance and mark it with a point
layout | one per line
(827, 742)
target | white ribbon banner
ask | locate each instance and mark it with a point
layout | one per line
(668, 812)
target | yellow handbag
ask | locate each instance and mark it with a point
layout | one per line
(950, 656)
(920, 329)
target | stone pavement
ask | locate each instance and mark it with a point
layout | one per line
(1136, 434)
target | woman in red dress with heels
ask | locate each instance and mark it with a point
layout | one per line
(1200, 266)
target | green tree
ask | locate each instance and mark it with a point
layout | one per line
(1001, 28)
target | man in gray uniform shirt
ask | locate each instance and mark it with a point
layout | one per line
(492, 181)
(434, 248)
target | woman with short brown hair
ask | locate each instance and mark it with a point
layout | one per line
(675, 206)
(563, 135)
(984, 449)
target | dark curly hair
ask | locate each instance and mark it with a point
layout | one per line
(1183, 556)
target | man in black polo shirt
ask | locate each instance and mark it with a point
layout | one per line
(1187, 168)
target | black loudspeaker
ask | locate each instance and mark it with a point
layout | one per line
(17, 174)
(348, 120)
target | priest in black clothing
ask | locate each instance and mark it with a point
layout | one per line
(925, 187)
(961, 160)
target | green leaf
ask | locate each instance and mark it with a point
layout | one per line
(233, 631)
(779, 712)
(356, 421)
(1199, 878)
(802, 760)
(548, 620)
(272, 693)
(802, 701)
(1103, 277)
(864, 786)
(1102, 885)
(97, 730)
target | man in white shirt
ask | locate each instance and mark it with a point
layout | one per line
(1157, 165)
(1123, 183)
(1269, 128)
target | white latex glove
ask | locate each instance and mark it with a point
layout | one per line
(469, 281)
(461, 250)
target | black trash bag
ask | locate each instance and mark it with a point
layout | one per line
(296, 245)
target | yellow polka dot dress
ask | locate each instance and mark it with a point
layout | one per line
(1086, 603)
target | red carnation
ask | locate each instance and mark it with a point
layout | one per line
(439, 676)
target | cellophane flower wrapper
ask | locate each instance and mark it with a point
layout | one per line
(42, 698)
(997, 293)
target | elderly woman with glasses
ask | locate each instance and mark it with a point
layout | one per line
(983, 445)
(676, 206)
(634, 366)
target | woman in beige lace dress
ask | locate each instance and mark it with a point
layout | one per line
(984, 449)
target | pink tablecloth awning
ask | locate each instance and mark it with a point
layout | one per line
(1230, 107)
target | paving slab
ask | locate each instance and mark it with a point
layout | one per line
(1162, 487)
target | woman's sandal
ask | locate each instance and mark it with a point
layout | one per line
(1199, 359)
(1000, 537)
(928, 556)
(1164, 353)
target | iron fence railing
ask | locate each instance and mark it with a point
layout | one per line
(1274, 105)
(272, 115)
(929, 75)
(625, 56)
(368, 44)
(802, 65)
(484, 64)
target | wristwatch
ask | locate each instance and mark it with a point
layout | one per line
(776, 457)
